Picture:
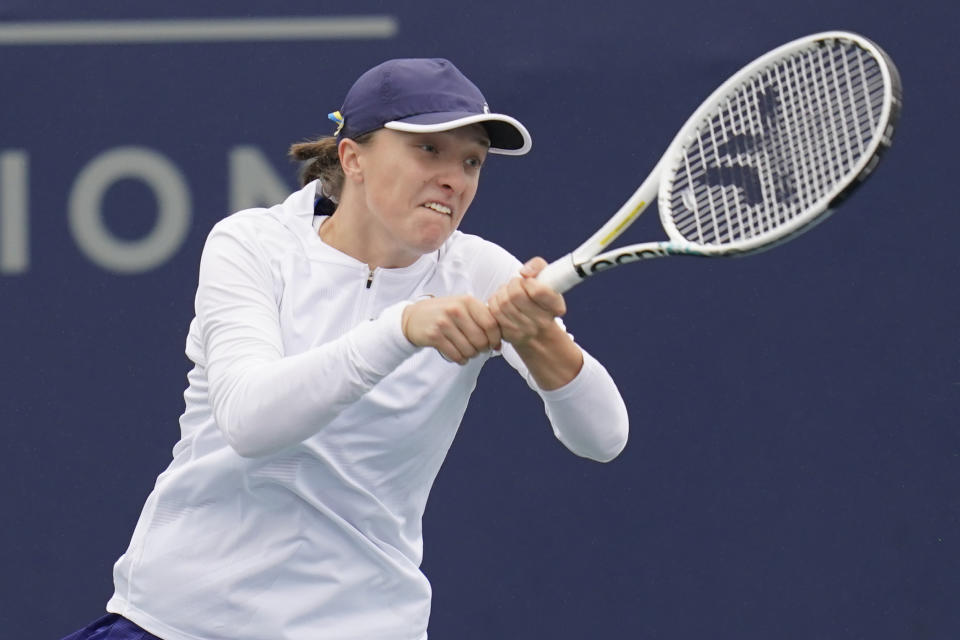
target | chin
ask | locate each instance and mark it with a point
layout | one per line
(429, 246)
(433, 238)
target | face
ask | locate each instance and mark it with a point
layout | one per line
(416, 187)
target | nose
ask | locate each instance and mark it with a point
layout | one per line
(453, 177)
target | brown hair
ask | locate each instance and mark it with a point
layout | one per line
(319, 159)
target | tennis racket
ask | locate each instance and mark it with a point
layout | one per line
(769, 154)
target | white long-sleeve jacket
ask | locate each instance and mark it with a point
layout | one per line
(312, 434)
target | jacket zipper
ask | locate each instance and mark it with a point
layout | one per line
(368, 299)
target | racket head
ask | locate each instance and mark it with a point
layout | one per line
(779, 145)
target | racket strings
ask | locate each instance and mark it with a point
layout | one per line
(778, 144)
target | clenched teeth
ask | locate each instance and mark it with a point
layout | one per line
(440, 208)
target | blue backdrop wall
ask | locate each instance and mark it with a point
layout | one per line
(794, 461)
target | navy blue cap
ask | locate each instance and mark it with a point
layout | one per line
(424, 95)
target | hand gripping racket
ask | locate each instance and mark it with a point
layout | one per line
(770, 153)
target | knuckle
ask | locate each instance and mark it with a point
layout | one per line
(453, 310)
(488, 322)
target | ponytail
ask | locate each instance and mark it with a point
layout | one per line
(319, 159)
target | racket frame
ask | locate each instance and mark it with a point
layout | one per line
(593, 255)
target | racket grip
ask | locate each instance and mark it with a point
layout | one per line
(560, 275)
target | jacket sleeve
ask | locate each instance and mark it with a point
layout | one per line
(588, 414)
(261, 400)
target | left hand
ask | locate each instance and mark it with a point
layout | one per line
(525, 308)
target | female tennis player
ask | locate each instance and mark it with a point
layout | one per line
(337, 339)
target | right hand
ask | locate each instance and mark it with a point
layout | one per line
(459, 327)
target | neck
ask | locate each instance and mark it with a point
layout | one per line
(359, 236)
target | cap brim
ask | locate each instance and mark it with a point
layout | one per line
(507, 135)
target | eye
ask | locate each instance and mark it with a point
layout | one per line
(429, 148)
(474, 163)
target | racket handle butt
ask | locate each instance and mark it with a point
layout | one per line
(560, 275)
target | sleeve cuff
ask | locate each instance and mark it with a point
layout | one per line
(379, 345)
(587, 372)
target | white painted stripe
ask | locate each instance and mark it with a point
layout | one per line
(205, 30)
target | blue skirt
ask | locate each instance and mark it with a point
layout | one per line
(111, 627)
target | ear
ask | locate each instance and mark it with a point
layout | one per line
(350, 159)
